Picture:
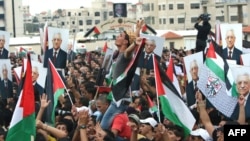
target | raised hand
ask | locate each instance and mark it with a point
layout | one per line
(44, 101)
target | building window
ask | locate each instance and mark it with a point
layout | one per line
(73, 30)
(69, 14)
(180, 6)
(163, 7)
(193, 19)
(153, 20)
(164, 20)
(62, 23)
(159, 21)
(97, 14)
(111, 13)
(79, 14)
(234, 18)
(170, 6)
(97, 21)
(159, 7)
(195, 6)
(181, 20)
(80, 22)
(73, 22)
(89, 22)
(152, 7)
(171, 20)
(171, 44)
(146, 7)
(220, 18)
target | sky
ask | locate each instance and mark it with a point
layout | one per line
(37, 6)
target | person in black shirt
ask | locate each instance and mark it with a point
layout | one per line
(203, 31)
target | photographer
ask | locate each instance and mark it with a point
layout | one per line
(203, 31)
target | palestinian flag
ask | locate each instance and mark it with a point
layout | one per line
(171, 75)
(22, 52)
(146, 29)
(217, 83)
(121, 84)
(94, 31)
(152, 106)
(105, 47)
(54, 89)
(23, 122)
(172, 106)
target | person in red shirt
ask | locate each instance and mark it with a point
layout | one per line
(120, 128)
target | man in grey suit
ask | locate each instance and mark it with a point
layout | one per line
(231, 52)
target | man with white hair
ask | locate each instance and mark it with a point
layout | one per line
(3, 51)
(6, 88)
(243, 87)
(35, 75)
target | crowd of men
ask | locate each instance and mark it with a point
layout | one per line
(122, 115)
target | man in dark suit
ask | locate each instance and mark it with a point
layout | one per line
(231, 52)
(35, 75)
(56, 54)
(6, 87)
(3, 51)
(145, 63)
(243, 87)
(192, 88)
(70, 54)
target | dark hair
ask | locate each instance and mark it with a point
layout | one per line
(178, 131)
(109, 135)
(127, 37)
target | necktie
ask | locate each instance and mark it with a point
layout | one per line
(230, 55)
(146, 60)
(5, 85)
(0, 53)
(195, 86)
(54, 57)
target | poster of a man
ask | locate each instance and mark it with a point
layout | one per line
(120, 9)
(4, 44)
(58, 40)
(6, 86)
(232, 43)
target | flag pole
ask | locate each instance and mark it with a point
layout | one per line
(62, 82)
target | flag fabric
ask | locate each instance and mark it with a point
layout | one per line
(23, 125)
(105, 47)
(217, 83)
(94, 31)
(121, 84)
(22, 52)
(146, 29)
(152, 106)
(171, 75)
(172, 106)
(54, 89)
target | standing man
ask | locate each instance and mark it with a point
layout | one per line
(203, 31)
(56, 54)
(6, 87)
(230, 51)
(3, 51)
(70, 54)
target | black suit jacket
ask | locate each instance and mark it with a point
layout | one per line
(235, 114)
(4, 54)
(60, 60)
(38, 88)
(135, 86)
(235, 56)
(6, 92)
(71, 56)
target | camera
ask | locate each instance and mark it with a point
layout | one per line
(204, 17)
(61, 112)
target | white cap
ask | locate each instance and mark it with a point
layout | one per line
(150, 121)
(202, 133)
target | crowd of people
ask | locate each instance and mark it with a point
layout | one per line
(122, 115)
